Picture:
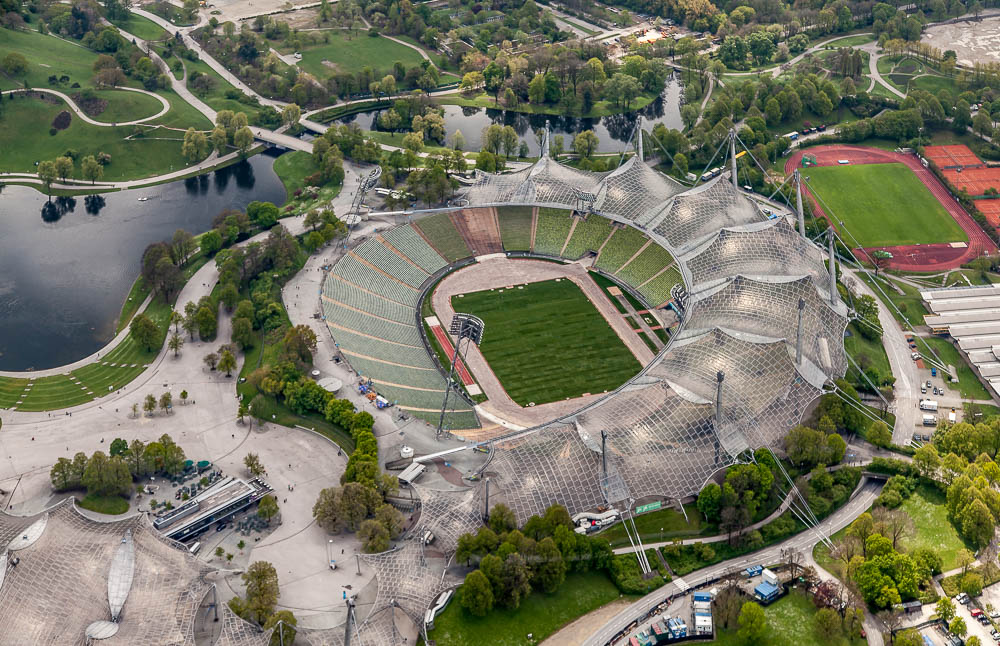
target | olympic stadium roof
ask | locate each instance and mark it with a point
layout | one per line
(67, 578)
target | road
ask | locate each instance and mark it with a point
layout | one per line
(803, 542)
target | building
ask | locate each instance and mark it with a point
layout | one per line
(217, 503)
(970, 316)
(767, 592)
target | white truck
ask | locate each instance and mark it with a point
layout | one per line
(928, 404)
(930, 420)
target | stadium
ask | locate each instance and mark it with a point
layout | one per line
(758, 336)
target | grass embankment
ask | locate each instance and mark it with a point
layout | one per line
(882, 205)
(111, 505)
(791, 622)
(968, 385)
(540, 614)
(866, 353)
(908, 303)
(126, 106)
(539, 361)
(141, 27)
(851, 41)
(216, 97)
(662, 525)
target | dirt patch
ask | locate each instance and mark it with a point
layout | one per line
(90, 104)
(333, 66)
(62, 120)
(971, 40)
(577, 631)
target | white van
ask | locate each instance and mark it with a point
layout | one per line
(194, 548)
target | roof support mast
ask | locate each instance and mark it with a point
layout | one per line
(830, 236)
(798, 334)
(732, 157)
(798, 203)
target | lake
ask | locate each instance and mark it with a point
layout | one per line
(67, 266)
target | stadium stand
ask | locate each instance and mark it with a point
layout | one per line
(479, 229)
(515, 227)
(588, 235)
(623, 245)
(346, 294)
(363, 274)
(551, 231)
(409, 243)
(646, 265)
(657, 290)
(390, 262)
(441, 233)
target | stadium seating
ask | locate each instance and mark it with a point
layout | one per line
(409, 242)
(652, 259)
(553, 227)
(588, 235)
(442, 234)
(657, 290)
(394, 331)
(623, 245)
(390, 262)
(515, 227)
(362, 275)
(357, 298)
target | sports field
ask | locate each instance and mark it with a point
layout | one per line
(882, 205)
(547, 342)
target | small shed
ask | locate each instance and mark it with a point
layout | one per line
(767, 592)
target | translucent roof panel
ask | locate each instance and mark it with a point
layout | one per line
(404, 577)
(772, 248)
(633, 190)
(702, 211)
(449, 514)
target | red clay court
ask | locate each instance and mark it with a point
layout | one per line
(923, 257)
(953, 156)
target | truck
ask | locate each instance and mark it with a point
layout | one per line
(930, 420)
(928, 404)
(753, 570)
(769, 577)
(952, 417)
(792, 136)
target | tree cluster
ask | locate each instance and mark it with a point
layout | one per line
(260, 600)
(106, 475)
(355, 507)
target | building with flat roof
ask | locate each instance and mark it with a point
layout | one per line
(970, 316)
(217, 503)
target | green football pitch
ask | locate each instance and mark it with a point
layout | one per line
(882, 205)
(547, 342)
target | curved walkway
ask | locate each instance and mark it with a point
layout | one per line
(83, 115)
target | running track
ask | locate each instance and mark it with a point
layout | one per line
(923, 257)
(445, 342)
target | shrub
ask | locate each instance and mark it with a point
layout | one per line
(62, 120)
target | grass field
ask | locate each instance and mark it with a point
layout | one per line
(47, 55)
(25, 139)
(540, 614)
(10, 390)
(55, 392)
(143, 28)
(926, 508)
(292, 168)
(791, 621)
(547, 342)
(665, 523)
(882, 205)
(851, 41)
(112, 505)
(351, 54)
(866, 353)
(126, 106)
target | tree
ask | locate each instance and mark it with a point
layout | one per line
(585, 144)
(47, 173)
(977, 523)
(261, 581)
(267, 508)
(166, 400)
(549, 567)
(291, 114)
(175, 343)
(91, 169)
(243, 332)
(390, 518)
(514, 581)
(300, 343)
(195, 146)
(374, 536)
(326, 509)
(118, 447)
(710, 501)
(958, 627)
(477, 594)
(828, 625)
(206, 322)
(502, 519)
(753, 623)
(253, 465)
(243, 139)
(220, 140)
(879, 434)
(144, 331)
(227, 362)
(211, 360)
(285, 634)
(64, 167)
(945, 609)
(14, 64)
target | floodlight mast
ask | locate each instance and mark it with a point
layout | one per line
(798, 203)
(732, 157)
(831, 235)
(470, 329)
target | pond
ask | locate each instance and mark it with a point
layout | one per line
(613, 132)
(66, 266)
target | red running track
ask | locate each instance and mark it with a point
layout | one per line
(445, 342)
(921, 257)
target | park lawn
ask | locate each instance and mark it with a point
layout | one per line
(25, 139)
(292, 169)
(181, 115)
(547, 342)
(348, 54)
(934, 84)
(968, 385)
(882, 205)
(540, 614)
(47, 55)
(909, 303)
(103, 379)
(129, 352)
(858, 346)
(669, 520)
(851, 41)
(52, 393)
(215, 98)
(396, 139)
(126, 106)
(932, 528)
(791, 621)
(111, 505)
(133, 301)
(141, 27)
(10, 390)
